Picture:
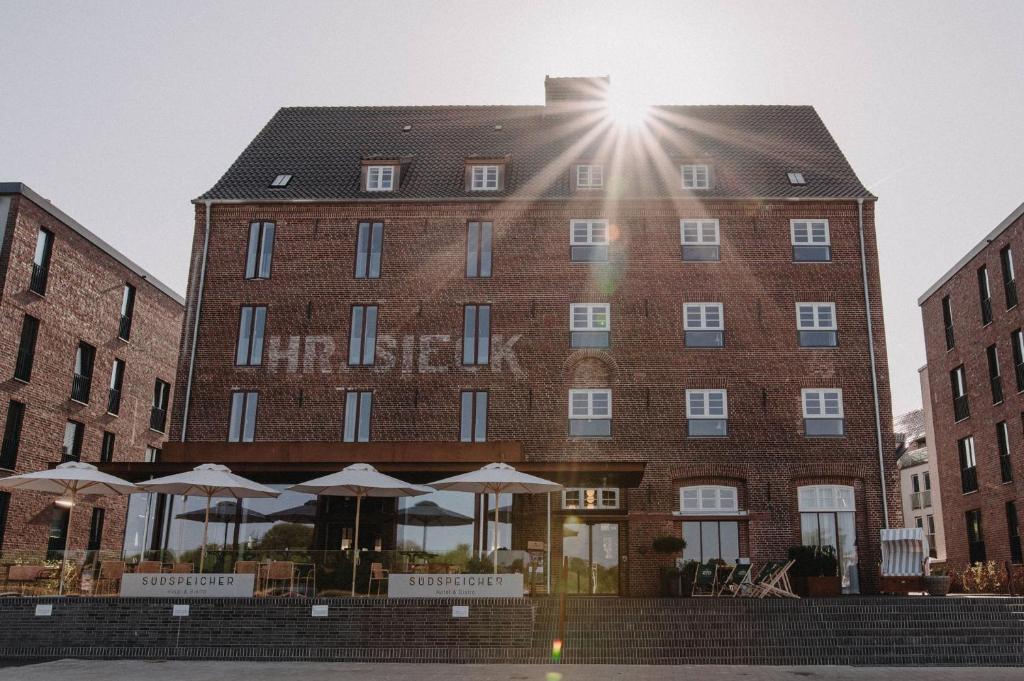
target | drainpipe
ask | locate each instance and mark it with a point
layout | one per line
(874, 370)
(195, 325)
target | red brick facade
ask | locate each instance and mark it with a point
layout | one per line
(971, 340)
(82, 302)
(418, 377)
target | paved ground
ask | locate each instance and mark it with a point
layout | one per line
(98, 670)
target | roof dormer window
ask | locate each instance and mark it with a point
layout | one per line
(590, 176)
(484, 178)
(696, 176)
(796, 178)
(380, 178)
(281, 181)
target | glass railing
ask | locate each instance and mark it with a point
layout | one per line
(283, 572)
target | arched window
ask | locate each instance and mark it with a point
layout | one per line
(827, 518)
(710, 539)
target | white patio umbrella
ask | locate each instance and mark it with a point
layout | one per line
(209, 480)
(70, 481)
(360, 480)
(497, 478)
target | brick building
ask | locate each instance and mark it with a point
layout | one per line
(972, 329)
(669, 319)
(89, 341)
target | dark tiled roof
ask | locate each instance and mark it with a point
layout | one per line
(909, 429)
(751, 148)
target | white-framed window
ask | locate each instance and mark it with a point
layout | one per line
(700, 239)
(281, 181)
(590, 325)
(707, 413)
(816, 325)
(709, 499)
(590, 412)
(588, 240)
(823, 412)
(590, 498)
(380, 178)
(811, 240)
(826, 498)
(588, 232)
(590, 316)
(484, 178)
(590, 176)
(697, 176)
(704, 325)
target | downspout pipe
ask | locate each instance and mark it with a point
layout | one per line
(874, 367)
(195, 325)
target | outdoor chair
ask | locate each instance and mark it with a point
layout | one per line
(377, 574)
(279, 573)
(737, 580)
(110, 575)
(250, 567)
(776, 584)
(148, 567)
(706, 580)
(182, 568)
(904, 560)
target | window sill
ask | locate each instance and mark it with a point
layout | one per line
(824, 437)
(123, 340)
(154, 430)
(37, 293)
(84, 404)
(956, 420)
(114, 414)
(973, 491)
(582, 438)
(705, 515)
(19, 380)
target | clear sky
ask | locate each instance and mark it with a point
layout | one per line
(121, 113)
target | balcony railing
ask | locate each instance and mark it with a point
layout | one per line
(1005, 468)
(69, 455)
(996, 382)
(40, 275)
(124, 331)
(114, 401)
(969, 479)
(158, 419)
(961, 409)
(921, 499)
(80, 388)
(986, 311)
(23, 365)
(1019, 370)
(1010, 289)
(950, 339)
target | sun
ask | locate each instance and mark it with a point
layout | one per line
(623, 110)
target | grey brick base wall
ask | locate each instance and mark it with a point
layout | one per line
(855, 631)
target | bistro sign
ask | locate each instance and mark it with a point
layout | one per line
(450, 586)
(215, 585)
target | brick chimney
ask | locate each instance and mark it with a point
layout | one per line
(575, 90)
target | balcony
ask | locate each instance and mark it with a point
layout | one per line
(67, 454)
(961, 409)
(969, 479)
(1019, 370)
(921, 499)
(158, 419)
(40, 275)
(80, 388)
(124, 331)
(114, 402)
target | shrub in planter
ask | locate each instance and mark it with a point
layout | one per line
(668, 544)
(671, 577)
(815, 571)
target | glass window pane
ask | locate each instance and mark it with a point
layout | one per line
(235, 426)
(350, 416)
(267, 249)
(729, 534)
(485, 249)
(809, 529)
(254, 243)
(365, 409)
(709, 541)
(484, 335)
(691, 535)
(376, 243)
(469, 335)
(481, 417)
(466, 421)
(249, 431)
(362, 249)
(370, 342)
(259, 322)
(355, 340)
(472, 246)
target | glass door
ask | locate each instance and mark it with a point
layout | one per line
(593, 552)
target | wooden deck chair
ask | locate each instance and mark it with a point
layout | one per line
(250, 567)
(777, 584)
(737, 579)
(767, 568)
(109, 577)
(705, 582)
(149, 567)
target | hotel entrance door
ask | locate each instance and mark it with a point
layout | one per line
(593, 552)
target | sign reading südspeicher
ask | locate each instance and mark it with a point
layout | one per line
(451, 586)
(215, 585)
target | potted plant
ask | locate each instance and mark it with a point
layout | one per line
(937, 583)
(671, 577)
(815, 571)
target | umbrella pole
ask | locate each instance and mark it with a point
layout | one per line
(206, 529)
(424, 537)
(64, 555)
(355, 544)
(496, 542)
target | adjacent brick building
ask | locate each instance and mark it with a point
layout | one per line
(972, 328)
(85, 340)
(428, 289)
